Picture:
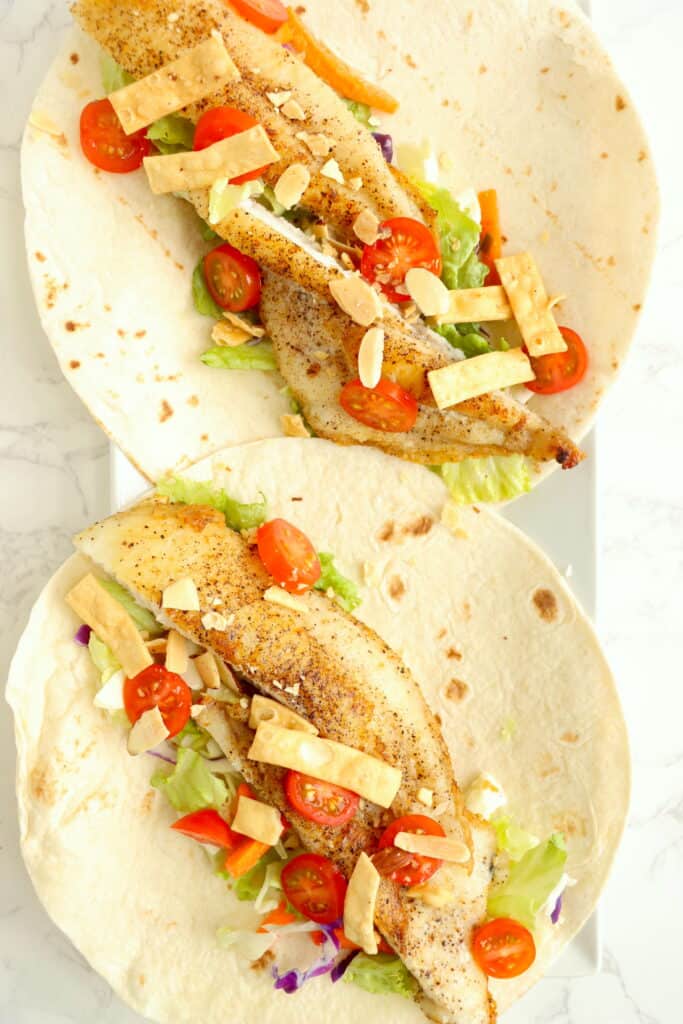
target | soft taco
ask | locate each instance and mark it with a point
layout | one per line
(399, 254)
(410, 684)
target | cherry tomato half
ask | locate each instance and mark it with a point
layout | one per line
(105, 143)
(561, 370)
(288, 556)
(208, 827)
(233, 279)
(503, 948)
(315, 887)
(222, 123)
(267, 15)
(387, 407)
(155, 686)
(418, 869)
(409, 244)
(318, 801)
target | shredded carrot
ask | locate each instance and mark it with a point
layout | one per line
(348, 82)
(345, 943)
(279, 916)
(245, 857)
(491, 245)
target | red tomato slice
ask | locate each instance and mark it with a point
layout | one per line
(387, 407)
(105, 143)
(222, 123)
(410, 244)
(315, 888)
(267, 15)
(288, 556)
(233, 279)
(208, 827)
(561, 370)
(503, 948)
(155, 686)
(318, 801)
(418, 869)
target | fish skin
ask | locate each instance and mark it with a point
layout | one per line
(343, 678)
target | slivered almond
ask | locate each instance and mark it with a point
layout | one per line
(371, 357)
(226, 676)
(148, 732)
(255, 330)
(319, 144)
(278, 99)
(426, 797)
(366, 227)
(332, 170)
(357, 298)
(176, 653)
(293, 110)
(276, 595)
(214, 620)
(208, 670)
(293, 425)
(355, 184)
(157, 645)
(440, 847)
(428, 292)
(291, 185)
(181, 596)
(265, 710)
(228, 336)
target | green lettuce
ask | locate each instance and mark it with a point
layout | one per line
(191, 786)
(113, 75)
(465, 337)
(459, 239)
(512, 838)
(172, 134)
(383, 974)
(238, 516)
(331, 579)
(249, 886)
(241, 357)
(203, 300)
(102, 658)
(361, 111)
(530, 882)
(496, 478)
(143, 619)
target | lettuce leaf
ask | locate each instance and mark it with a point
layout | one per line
(143, 619)
(238, 516)
(103, 659)
(512, 838)
(361, 111)
(190, 786)
(331, 579)
(113, 75)
(203, 300)
(530, 882)
(459, 239)
(172, 134)
(250, 886)
(496, 478)
(383, 974)
(241, 357)
(465, 337)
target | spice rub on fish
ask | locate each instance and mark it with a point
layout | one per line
(326, 666)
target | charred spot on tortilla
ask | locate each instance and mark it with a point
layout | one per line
(193, 400)
(41, 257)
(387, 531)
(43, 786)
(74, 364)
(454, 654)
(166, 411)
(396, 588)
(456, 690)
(570, 824)
(72, 325)
(570, 738)
(546, 604)
(420, 527)
(620, 103)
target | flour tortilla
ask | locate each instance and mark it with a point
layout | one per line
(503, 653)
(519, 95)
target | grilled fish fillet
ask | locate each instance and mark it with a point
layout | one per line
(328, 667)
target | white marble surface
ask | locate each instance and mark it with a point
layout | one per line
(54, 478)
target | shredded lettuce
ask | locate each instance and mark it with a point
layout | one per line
(224, 197)
(238, 516)
(143, 619)
(192, 737)
(255, 883)
(512, 838)
(113, 75)
(530, 882)
(331, 579)
(496, 478)
(103, 659)
(241, 357)
(203, 300)
(190, 786)
(383, 974)
(361, 111)
(465, 337)
(250, 946)
(172, 134)
(459, 239)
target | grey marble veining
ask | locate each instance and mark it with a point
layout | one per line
(54, 478)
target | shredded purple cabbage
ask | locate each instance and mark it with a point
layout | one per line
(555, 916)
(386, 144)
(162, 757)
(293, 980)
(340, 969)
(82, 636)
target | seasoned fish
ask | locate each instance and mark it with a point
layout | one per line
(336, 672)
(312, 339)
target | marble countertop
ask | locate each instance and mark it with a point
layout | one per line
(54, 477)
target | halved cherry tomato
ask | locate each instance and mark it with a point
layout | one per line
(267, 15)
(561, 370)
(491, 239)
(387, 407)
(318, 801)
(155, 686)
(314, 887)
(105, 143)
(503, 948)
(208, 827)
(419, 869)
(233, 279)
(288, 556)
(409, 244)
(222, 123)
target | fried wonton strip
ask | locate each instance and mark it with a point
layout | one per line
(478, 305)
(481, 375)
(229, 158)
(530, 304)
(112, 624)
